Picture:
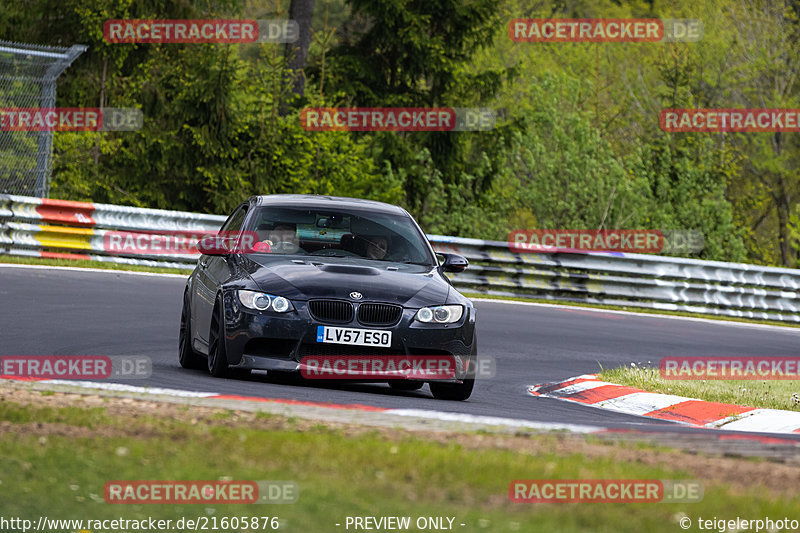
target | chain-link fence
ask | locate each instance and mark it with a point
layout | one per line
(28, 80)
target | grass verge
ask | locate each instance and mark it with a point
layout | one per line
(770, 394)
(56, 461)
(82, 263)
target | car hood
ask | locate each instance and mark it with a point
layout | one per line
(303, 279)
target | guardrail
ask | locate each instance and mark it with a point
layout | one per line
(40, 227)
(59, 229)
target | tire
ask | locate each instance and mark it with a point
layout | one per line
(403, 384)
(458, 392)
(217, 358)
(187, 357)
(452, 391)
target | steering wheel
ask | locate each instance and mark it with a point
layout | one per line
(285, 247)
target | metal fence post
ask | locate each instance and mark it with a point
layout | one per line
(28, 75)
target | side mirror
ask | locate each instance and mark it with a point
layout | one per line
(215, 245)
(454, 263)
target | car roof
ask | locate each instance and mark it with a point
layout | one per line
(317, 201)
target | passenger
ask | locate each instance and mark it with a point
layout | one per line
(282, 239)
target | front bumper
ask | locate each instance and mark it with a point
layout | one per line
(272, 341)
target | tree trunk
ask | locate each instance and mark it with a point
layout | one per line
(102, 105)
(300, 11)
(784, 212)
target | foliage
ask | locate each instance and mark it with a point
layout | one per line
(576, 145)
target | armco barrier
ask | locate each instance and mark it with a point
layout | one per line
(41, 227)
(53, 228)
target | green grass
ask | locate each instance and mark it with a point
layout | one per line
(339, 475)
(771, 394)
(82, 263)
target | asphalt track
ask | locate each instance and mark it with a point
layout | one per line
(69, 312)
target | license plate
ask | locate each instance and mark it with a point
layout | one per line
(353, 336)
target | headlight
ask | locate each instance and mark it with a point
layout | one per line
(441, 314)
(261, 301)
(280, 304)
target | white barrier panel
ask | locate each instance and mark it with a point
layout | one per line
(55, 228)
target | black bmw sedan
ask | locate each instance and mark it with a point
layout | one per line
(303, 281)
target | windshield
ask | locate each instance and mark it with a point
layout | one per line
(338, 233)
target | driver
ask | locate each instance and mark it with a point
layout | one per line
(281, 239)
(377, 247)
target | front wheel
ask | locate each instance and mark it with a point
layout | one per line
(217, 357)
(452, 391)
(459, 391)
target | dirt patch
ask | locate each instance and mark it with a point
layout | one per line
(143, 419)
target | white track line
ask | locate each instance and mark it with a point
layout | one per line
(765, 420)
(493, 420)
(412, 413)
(120, 387)
(640, 403)
(576, 388)
(101, 270)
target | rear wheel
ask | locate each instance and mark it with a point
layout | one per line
(187, 357)
(217, 357)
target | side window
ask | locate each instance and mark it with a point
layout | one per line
(235, 221)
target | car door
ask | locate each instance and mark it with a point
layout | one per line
(212, 270)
